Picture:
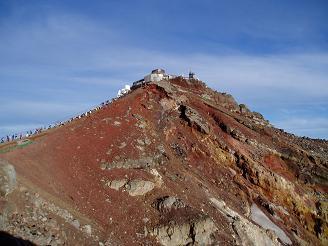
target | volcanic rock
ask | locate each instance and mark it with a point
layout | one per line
(197, 232)
(7, 178)
(139, 187)
(194, 119)
(167, 203)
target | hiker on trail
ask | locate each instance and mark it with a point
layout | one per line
(87, 113)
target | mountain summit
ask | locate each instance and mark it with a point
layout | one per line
(171, 162)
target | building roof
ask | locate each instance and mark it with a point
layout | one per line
(158, 71)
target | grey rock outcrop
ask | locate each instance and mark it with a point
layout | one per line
(7, 178)
(197, 232)
(168, 203)
(142, 163)
(139, 187)
(194, 119)
(117, 184)
(244, 109)
(135, 187)
(236, 134)
(247, 232)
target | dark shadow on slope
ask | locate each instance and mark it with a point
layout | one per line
(8, 240)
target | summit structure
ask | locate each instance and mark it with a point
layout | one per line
(156, 75)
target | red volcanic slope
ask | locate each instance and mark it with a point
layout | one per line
(176, 139)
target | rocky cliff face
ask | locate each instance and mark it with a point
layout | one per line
(171, 163)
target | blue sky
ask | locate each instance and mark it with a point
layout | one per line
(59, 58)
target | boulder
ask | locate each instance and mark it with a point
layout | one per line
(236, 134)
(117, 184)
(139, 187)
(167, 203)
(244, 109)
(7, 178)
(195, 232)
(194, 119)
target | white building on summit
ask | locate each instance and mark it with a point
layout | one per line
(155, 75)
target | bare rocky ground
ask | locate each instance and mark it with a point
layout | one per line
(171, 163)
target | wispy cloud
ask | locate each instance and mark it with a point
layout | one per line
(63, 63)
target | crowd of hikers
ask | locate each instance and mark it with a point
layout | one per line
(19, 136)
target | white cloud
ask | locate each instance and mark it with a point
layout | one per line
(67, 44)
(294, 77)
(64, 47)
